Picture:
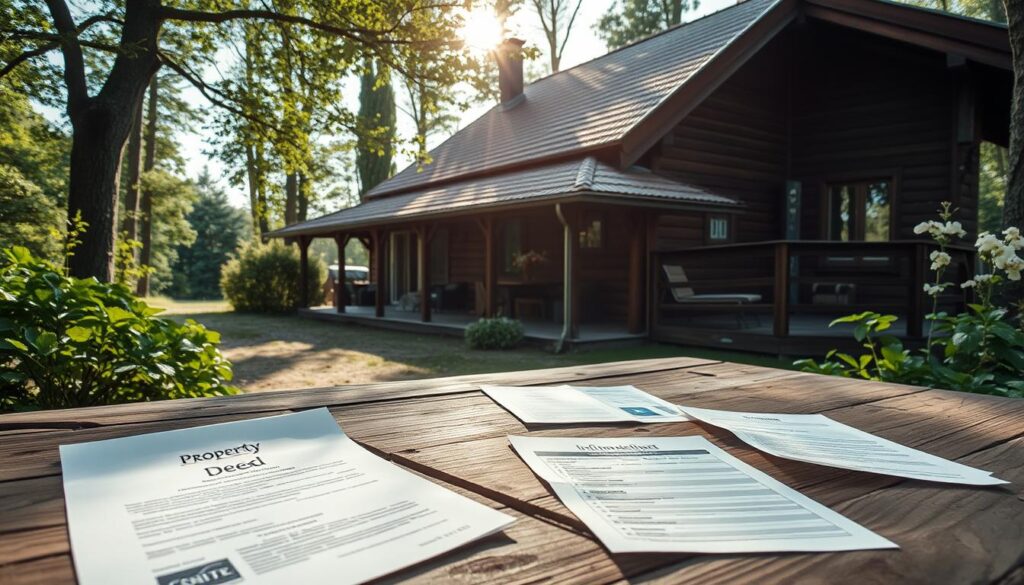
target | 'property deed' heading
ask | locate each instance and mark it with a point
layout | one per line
(217, 455)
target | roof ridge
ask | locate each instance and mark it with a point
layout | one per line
(585, 174)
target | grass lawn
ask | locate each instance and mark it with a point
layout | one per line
(279, 352)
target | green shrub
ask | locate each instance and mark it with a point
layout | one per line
(67, 342)
(497, 333)
(263, 278)
(980, 350)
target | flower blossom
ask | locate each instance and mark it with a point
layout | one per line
(1013, 238)
(933, 289)
(953, 228)
(987, 243)
(939, 260)
(971, 283)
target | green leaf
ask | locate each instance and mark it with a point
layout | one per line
(79, 334)
(117, 314)
(16, 344)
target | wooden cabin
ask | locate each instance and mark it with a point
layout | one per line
(736, 181)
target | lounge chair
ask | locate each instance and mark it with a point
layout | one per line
(683, 294)
(681, 291)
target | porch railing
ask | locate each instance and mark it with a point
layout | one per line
(787, 277)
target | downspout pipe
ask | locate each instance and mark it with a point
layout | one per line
(566, 281)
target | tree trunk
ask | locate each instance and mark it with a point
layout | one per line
(131, 203)
(254, 199)
(146, 205)
(1013, 204)
(101, 125)
(261, 192)
(291, 198)
(97, 144)
(303, 197)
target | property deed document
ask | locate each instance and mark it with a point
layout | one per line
(581, 404)
(683, 494)
(286, 499)
(815, 438)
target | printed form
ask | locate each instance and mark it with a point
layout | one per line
(683, 494)
(815, 438)
(286, 499)
(583, 404)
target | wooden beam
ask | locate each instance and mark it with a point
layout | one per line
(379, 266)
(341, 240)
(303, 242)
(653, 269)
(424, 234)
(635, 296)
(780, 294)
(490, 267)
(574, 274)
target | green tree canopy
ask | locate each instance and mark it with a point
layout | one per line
(630, 20)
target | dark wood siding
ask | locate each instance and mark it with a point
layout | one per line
(868, 108)
(735, 143)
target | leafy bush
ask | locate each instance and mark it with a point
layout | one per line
(67, 342)
(497, 333)
(263, 278)
(979, 350)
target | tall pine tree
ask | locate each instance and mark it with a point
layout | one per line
(375, 147)
(219, 228)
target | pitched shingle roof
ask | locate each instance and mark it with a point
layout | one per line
(585, 107)
(586, 177)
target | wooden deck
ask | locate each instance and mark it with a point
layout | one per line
(449, 431)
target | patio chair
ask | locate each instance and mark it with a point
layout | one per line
(683, 293)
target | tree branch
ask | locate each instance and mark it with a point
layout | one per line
(38, 51)
(74, 63)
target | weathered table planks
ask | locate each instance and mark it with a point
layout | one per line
(447, 430)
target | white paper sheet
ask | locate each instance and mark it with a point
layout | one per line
(683, 494)
(287, 499)
(815, 438)
(579, 404)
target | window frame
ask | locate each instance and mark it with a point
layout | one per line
(861, 180)
(587, 218)
(730, 228)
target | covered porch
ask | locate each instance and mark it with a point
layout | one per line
(565, 249)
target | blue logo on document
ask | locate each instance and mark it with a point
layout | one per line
(640, 411)
(213, 573)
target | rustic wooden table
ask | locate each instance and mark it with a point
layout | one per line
(449, 431)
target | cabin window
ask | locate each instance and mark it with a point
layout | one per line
(860, 211)
(591, 234)
(513, 244)
(719, 229)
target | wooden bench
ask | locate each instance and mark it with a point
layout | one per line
(447, 430)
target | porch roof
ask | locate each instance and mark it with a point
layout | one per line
(578, 179)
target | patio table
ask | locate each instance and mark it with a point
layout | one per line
(450, 432)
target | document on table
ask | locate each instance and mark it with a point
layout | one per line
(583, 404)
(683, 494)
(815, 438)
(286, 499)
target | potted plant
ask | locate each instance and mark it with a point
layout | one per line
(525, 261)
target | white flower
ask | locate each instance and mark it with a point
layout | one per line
(922, 227)
(987, 243)
(1013, 237)
(939, 259)
(1004, 255)
(953, 228)
(933, 289)
(1013, 267)
(968, 284)
(930, 227)
(983, 278)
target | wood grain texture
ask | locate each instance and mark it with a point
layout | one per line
(449, 431)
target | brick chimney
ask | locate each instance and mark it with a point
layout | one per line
(510, 70)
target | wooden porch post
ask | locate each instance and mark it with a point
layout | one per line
(653, 270)
(490, 267)
(379, 267)
(339, 287)
(304, 271)
(915, 317)
(574, 273)
(424, 234)
(780, 295)
(635, 308)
